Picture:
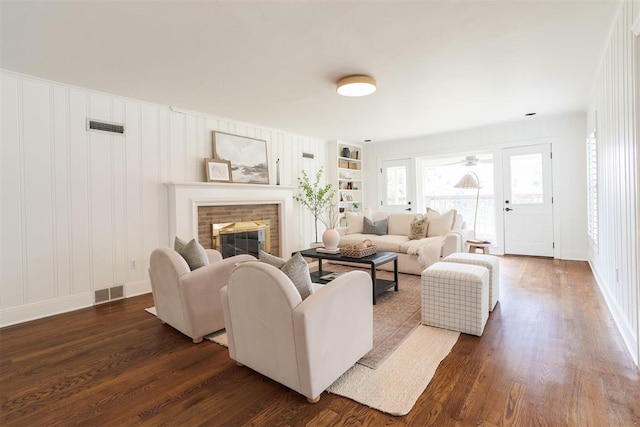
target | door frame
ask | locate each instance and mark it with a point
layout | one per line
(499, 180)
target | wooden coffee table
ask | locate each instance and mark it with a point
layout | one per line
(375, 260)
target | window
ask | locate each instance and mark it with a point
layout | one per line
(526, 179)
(396, 185)
(592, 189)
(438, 177)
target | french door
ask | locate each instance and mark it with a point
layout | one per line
(397, 181)
(528, 200)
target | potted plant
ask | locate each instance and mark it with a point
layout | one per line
(313, 196)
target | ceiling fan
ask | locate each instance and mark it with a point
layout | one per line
(470, 161)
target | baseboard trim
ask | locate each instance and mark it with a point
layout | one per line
(137, 288)
(26, 313)
(630, 340)
(39, 310)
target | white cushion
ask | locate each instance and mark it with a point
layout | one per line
(354, 223)
(440, 224)
(400, 223)
(378, 215)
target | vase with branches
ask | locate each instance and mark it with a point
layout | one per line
(315, 197)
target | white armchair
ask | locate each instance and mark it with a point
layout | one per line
(189, 300)
(304, 345)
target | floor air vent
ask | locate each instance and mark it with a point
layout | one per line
(109, 294)
(109, 127)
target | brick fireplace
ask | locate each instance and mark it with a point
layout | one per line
(209, 215)
(193, 207)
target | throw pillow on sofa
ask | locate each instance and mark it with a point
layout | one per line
(295, 268)
(379, 227)
(354, 222)
(192, 252)
(418, 228)
(440, 224)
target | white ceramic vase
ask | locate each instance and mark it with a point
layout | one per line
(330, 238)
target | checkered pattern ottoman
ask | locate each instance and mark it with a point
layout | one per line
(489, 261)
(455, 296)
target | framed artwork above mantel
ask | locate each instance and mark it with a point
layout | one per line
(247, 156)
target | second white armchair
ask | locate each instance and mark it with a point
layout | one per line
(303, 344)
(189, 300)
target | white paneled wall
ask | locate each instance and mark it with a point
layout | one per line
(615, 117)
(78, 207)
(565, 133)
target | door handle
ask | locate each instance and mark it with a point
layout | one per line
(508, 209)
(408, 209)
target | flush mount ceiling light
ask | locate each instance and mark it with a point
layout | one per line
(356, 86)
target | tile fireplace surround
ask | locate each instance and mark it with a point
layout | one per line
(185, 199)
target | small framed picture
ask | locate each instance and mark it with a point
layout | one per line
(218, 170)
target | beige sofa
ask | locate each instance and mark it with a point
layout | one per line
(445, 234)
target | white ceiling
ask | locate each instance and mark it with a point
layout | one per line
(440, 65)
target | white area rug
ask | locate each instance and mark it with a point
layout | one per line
(219, 337)
(397, 383)
(395, 386)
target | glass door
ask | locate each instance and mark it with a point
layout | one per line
(398, 185)
(528, 202)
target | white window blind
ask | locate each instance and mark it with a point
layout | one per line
(592, 188)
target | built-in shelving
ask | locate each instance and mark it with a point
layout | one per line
(347, 177)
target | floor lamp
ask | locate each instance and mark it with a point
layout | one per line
(471, 180)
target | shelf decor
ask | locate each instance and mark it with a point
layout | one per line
(218, 170)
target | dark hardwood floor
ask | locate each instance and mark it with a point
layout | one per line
(550, 355)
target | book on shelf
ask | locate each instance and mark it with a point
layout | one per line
(331, 276)
(478, 242)
(328, 251)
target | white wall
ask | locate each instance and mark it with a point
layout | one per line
(78, 206)
(614, 115)
(564, 132)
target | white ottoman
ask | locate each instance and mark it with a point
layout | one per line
(455, 296)
(489, 261)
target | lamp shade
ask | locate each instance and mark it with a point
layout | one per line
(469, 180)
(356, 86)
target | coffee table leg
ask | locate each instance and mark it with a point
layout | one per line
(320, 267)
(373, 282)
(395, 273)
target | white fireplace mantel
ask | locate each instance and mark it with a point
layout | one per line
(186, 197)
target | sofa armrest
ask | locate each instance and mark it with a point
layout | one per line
(342, 230)
(213, 255)
(333, 329)
(453, 242)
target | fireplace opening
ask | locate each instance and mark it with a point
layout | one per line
(237, 238)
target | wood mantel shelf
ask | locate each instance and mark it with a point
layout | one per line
(228, 185)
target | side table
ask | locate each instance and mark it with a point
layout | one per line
(474, 246)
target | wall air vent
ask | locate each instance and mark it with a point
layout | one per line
(102, 126)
